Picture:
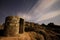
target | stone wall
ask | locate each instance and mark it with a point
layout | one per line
(11, 26)
(21, 25)
(32, 24)
(1, 27)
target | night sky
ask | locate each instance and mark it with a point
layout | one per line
(12, 7)
(38, 11)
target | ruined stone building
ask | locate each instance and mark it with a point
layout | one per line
(14, 25)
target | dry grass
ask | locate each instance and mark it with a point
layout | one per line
(24, 36)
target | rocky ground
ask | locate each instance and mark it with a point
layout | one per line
(36, 33)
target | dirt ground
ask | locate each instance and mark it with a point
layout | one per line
(24, 36)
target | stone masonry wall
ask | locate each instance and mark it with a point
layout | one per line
(11, 26)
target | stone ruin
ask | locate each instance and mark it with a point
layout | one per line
(15, 25)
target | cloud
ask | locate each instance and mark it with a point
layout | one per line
(47, 3)
(48, 16)
(41, 8)
(41, 11)
(24, 16)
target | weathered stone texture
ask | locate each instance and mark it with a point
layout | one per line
(17, 27)
(12, 26)
(21, 27)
